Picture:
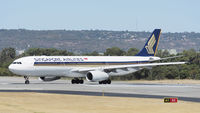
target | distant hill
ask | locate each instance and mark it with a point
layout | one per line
(83, 41)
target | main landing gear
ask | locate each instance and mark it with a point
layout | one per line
(26, 79)
(105, 82)
(77, 81)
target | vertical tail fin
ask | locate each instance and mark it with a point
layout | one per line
(151, 45)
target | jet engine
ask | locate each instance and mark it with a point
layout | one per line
(95, 76)
(49, 78)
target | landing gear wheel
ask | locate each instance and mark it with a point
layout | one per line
(77, 81)
(26, 80)
(81, 81)
(105, 82)
(72, 81)
(108, 81)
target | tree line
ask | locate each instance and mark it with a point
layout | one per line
(191, 70)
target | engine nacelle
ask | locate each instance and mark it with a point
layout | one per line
(49, 78)
(95, 76)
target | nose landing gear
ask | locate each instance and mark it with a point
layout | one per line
(26, 79)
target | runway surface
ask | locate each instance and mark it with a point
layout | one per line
(186, 92)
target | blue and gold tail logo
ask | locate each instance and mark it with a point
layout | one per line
(150, 45)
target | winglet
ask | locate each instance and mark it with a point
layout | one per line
(151, 45)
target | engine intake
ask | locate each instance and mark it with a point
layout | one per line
(95, 76)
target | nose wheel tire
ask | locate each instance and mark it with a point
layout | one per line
(26, 79)
(77, 81)
(27, 82)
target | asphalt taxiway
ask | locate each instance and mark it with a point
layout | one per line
(186, 92)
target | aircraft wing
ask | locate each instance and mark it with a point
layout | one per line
(125, 66)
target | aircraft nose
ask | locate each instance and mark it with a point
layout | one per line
(11, 68)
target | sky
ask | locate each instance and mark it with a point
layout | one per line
(116, 15)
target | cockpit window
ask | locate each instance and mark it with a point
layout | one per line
(17, 63)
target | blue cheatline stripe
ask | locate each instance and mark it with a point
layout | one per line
(128, 62)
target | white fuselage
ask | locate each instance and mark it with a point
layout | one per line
(64, 65)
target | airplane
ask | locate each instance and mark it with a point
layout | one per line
(93, 68)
